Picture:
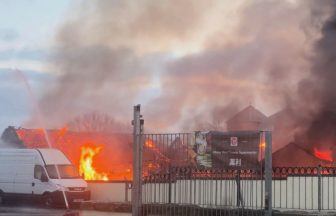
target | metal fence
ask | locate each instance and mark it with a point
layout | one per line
(201, 173)
(304, 188)
(174, 174)
(175, 182)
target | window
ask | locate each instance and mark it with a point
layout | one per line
(38, 172)
(65, 171)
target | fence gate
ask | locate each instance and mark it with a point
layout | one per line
(202, 173)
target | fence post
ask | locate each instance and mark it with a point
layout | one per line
(268, 173)
(239, 195)
(319, 188)
(126, 191)
(170, 185)
(137, 162)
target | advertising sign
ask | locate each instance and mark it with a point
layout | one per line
(230, 150)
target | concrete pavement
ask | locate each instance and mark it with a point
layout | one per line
(39, 211)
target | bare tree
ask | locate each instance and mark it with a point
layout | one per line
(96, 122)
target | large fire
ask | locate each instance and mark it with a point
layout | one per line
(112, 160)
(107, 156)
(323, 155)
(86, 168)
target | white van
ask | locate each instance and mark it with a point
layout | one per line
(32, 173)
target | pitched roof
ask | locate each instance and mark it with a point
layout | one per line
(293, 155)
(250, 114)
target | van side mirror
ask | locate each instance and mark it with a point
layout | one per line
(44, 178)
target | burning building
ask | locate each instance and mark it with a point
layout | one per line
(102, 155)
(289, 150)
(98, 155)
(293, 155)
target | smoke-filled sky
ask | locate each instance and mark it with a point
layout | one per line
(191, 64)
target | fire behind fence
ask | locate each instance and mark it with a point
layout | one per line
(179, 178)
(203, 173)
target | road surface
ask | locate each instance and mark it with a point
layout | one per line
(39, 211)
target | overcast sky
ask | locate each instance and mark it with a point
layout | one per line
(27, 28)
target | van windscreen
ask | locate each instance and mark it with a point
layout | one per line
(65, 171)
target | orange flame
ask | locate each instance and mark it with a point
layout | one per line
(150, 144)
(86, 164)
(323, 155)
(62, 131)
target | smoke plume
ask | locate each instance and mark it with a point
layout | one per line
(192, 64)
(318, 89)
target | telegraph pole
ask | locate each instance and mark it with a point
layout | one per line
(137, 161)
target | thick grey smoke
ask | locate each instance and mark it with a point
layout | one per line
(110, 51)
(319, 90)
(261, 65)
(192, 64)
(4, 144)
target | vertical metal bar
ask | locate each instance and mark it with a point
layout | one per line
(299, 191)
(229, 199)
(216, 190)
(195, 191)
(292, 192)
(328, 192)
(273, 192)
(170, 185)
(333, 178)
(280, 194)
(305, 189)
(249, 181)
(126, 191)
(199, 189)
(254, 190)
(238, 188)
(268, 173)
(221, 177)
(319, 188)
(137, 156)
(203, 192)
(312, 192)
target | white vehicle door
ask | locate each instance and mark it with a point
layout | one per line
(23, 179)
(40, 183)
(7, 178)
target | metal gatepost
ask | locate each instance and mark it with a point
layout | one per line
(268, 173)
(137, 162)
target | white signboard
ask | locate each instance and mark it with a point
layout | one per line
(234, 141)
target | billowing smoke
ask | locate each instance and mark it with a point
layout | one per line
(109, 53)
(4, 144)
(319, 90)
(192, 64)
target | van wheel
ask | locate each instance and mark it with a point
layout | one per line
(47, 200)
